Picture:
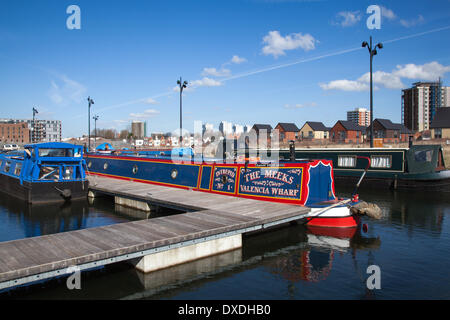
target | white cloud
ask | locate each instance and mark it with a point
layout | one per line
(238, 60)
(216, 73)
(413, 22)
(385, 79)
(276, 44)
(345, 85)
(347, 18)
(65, 90)
(300, 105)
(144, 115)
(150, 101)
(387, 13)
(427, 71)
(206, 82)
(391, 80)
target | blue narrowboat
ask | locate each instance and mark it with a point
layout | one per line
(44, 173)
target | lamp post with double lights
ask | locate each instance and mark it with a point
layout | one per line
(372, 52)
(182, 84)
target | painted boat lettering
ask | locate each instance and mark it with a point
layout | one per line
(224, 179)
(271, 182)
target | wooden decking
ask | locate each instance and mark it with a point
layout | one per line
(211, 216)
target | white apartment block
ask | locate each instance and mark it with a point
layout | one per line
(420, 102)
(359, 116)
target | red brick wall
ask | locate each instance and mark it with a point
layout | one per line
(14, 133)
(344, 136)
(285, 136)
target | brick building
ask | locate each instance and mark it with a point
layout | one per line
(14, 133)
(440, 127)
(347, 132)
(287, 131)
(390, 132)
(314, 130)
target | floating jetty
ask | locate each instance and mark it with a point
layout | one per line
(213, 224)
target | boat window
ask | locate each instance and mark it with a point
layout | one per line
(49, 173)
(7, 166)
(423, 155)
(135, 169)
(347, 161)
(68, 173)
(380, 161)
(18, 168)
(55, 152)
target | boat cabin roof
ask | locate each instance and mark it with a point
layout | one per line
(52, 145)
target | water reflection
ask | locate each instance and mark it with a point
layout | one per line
(313, 261)
(292, 262)
(19, 219)
(413, 210)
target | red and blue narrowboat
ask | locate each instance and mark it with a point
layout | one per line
(305, 183)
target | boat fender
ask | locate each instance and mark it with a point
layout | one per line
(369, 209)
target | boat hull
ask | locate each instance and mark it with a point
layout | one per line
(43, 192)
(334, 217)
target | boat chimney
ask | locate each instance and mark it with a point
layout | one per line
(292, 150)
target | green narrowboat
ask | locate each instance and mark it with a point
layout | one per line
(419, 167)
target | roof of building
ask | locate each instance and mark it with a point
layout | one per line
(351, 126)
(317, 126)
(288, 127)
(388, 125)
(441, 118)
(258, 127)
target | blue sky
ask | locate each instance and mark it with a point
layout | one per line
(249, 61)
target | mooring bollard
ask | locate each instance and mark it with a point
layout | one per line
(292, 150)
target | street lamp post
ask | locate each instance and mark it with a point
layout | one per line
(372, 52)
(90, 102)
(95, 130)
(182, 84)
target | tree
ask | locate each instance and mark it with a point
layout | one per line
(124, 134)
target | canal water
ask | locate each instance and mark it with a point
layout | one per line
(409, 247)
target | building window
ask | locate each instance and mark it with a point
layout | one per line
(380, 161)
(347, 161)
(438, 133)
